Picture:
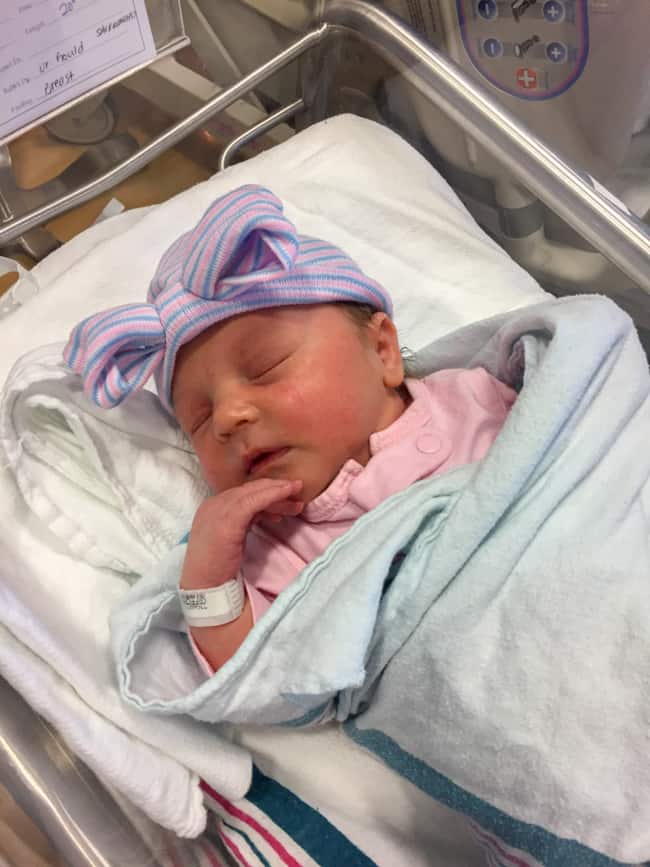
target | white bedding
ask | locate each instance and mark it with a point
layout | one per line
(347, 180)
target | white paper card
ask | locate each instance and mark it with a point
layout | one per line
(52, 51)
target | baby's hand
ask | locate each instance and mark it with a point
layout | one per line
(218, 533)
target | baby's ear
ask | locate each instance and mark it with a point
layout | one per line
(386, 344)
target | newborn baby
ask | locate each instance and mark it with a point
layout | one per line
(282, 364)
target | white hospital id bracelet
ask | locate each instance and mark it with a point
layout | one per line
(213, 606)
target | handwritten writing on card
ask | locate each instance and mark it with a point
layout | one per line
(52, 51)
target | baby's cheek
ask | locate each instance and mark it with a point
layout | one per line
(216, 470)
(291, 397)
(212, 474)
(299, 410)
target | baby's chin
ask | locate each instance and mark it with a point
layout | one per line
(312, 489)
(314, 483)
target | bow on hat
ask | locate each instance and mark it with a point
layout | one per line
(243, 255)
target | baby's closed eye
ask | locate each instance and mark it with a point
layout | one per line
(192, 418)
(199, 421)
(264, 367)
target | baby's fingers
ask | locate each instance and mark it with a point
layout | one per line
(265, 494)
(285, 507)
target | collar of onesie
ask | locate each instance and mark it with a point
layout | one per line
(402, 431)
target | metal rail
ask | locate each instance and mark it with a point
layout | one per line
(163, 142)
(619, 235)
(266, 124)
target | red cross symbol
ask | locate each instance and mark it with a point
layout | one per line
(527, 78)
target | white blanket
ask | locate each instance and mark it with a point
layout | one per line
(92, 500)
(348, 180)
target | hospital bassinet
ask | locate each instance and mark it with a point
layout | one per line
(570, 232)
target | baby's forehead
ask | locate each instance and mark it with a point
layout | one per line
(250, 334)
(247, 333)
(275, 322)
(265, 325)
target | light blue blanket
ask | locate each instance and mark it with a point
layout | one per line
(485, 632)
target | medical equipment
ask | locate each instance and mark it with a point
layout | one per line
(459, 95)
(576, 73)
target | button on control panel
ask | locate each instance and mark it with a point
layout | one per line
(553, 11)
(487, 9)
(532, 49)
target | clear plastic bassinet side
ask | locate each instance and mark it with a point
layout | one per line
(60, 794)
(535, 201)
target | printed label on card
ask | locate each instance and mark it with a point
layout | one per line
(52, 51)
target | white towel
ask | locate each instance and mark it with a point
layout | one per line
(118, 487)
(91, 499)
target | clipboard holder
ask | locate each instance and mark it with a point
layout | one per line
(169, 36)
(166, 22)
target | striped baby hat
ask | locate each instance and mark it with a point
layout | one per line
(242, 255)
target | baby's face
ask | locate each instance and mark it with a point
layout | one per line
(289, 393)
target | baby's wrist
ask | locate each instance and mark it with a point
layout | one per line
(202, 581)
(213, 606)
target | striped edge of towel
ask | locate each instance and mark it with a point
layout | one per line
(272, 827)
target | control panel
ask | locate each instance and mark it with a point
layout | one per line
(531, 49)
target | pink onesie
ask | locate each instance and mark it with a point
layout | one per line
(453, 419)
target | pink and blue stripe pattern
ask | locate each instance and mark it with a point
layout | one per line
(243, 255)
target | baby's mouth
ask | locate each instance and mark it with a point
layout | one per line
(259, 461)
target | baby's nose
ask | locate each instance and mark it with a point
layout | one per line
(231, 413)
